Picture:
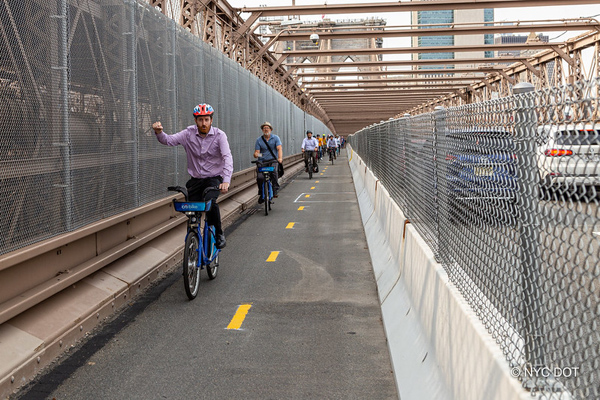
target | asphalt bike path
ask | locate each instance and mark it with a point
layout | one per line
(292, 314)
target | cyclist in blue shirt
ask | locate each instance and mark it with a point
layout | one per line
(266, 158)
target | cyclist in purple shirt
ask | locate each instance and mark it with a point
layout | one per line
(209, 161)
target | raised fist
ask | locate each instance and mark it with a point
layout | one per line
(157, 126)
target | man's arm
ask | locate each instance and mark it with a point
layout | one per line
(228, 167)
(168, 140)
(256, 149)
(279, 154)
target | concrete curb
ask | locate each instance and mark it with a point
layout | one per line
(30, 341)
(438, 346)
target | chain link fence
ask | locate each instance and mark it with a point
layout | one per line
(506, 195)
(81, 82)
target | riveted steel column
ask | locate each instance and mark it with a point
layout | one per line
(528, 204)
(65, 142)
(131, 69)
(173, 89)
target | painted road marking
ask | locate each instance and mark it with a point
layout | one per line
(312, 188)
(273, 256)
(290, 225)
(300, 208)
(316, 181)
(321, 173)
(596, 233)
(302, 196)
(240, 315)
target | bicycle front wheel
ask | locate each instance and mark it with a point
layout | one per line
(266, 196)
(213, 266)
(310, 170)
(191, 271)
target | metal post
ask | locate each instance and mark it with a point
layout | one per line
(439, 136)
(132, 69)
(66, 135)
(173, 89)
(528, 204)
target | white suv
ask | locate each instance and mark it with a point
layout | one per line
(569, 157)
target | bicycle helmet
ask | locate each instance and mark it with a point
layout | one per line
(307, 132)
(203, 109)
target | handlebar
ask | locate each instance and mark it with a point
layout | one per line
(184, 191)
(179, 189)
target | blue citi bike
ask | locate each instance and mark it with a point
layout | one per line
(200, 250)
(267, 187)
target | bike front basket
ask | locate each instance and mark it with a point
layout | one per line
(196, 206)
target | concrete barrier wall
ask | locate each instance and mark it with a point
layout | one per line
(439, 348)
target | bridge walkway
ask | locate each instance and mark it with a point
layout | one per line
(313, 327)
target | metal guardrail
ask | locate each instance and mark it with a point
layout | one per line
(506, 194)
(39, 271)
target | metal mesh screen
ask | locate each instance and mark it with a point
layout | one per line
(81, 83)
(505, 193)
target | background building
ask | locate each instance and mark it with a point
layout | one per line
(445, 18)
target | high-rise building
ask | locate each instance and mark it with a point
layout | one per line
(445, 18)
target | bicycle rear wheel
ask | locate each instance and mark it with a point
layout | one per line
(310, 169)
(191, 271)
(266, 196)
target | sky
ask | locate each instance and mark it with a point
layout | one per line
(403, 18)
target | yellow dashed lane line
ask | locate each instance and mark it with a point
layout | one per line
(273, 256)
(240, 315)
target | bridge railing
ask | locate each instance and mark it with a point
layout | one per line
(506, 194)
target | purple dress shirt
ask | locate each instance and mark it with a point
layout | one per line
(206, 157)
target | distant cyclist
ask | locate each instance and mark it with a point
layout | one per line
(266, 148)
(209, 161)
(332, 145)
(321, 145)
(310, 147)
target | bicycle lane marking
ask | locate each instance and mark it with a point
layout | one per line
(240, 315)
(273, 256)
(290, 225)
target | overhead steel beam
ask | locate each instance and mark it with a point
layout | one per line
(418, 50)
(331, 82)
(332, 95)
(481, 71)
(375, 85)
(578, 24)
(379, 64)
(403, 7)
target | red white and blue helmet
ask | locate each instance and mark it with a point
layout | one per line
(203, 109)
